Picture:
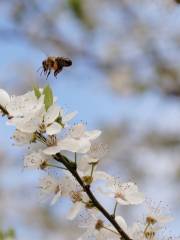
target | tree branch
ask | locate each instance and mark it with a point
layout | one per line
(72, 168)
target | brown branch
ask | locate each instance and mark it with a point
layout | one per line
(71, 166)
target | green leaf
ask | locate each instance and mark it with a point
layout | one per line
(11, 233)
(59, 120)
(36, 91)
(1, 235)
(76, 7)
(48, 97)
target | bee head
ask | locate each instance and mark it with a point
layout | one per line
(68, 62)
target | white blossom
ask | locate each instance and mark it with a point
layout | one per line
(74, 191)
(23, 138)
(140, 231)
(88, 171)
(29, 114)
(78, 141)
(36, 160)
(55, 188)
(26, 112)
(92, 157)
(24, 105)
(79, 200)
(155, 214)
(50, 187)
(123, 193)
(97, 229)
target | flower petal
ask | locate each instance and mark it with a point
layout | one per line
(53, 129)
(73, 145)
(52, 114)
(120, 220)
(52, 150)
(100, 175)
(92, 135)
(4, 98)
(74, 210)
(69, 116)
(56, 197)
(135, 197)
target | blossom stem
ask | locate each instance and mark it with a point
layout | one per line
(92, 169)
(75, 158)
(40, 137)
(52, 165)
(115, 208)
(146, 228)
(110, 230)
(68, 164)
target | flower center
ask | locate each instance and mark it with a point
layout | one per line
(99, 224)
(43, 165)
(149, 234)
(57, 189)
(76, 196)
(120, 195)
(77, 131)
(51, 141)
(151, 220)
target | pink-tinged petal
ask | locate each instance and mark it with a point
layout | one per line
(84, 145)
(70, 144)
(52, 114)
(69, 116)
(130, 187)
(4, 98)
(122, 223)
(135, 197)
(74, 210)
(53, 129)
(102, 191)
(28, 127)
(164, 219)
(77, 131)
(74, 145)
(100, 175)
(122, 201)
(52, 150)
(92, 135)
(56, 197)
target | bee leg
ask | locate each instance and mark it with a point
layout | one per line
(57, 71)
(48, 74)
(41, 72)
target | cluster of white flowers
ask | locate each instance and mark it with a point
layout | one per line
(37, 118)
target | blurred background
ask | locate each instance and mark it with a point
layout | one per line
(125, 80)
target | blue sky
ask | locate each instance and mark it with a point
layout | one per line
(86, 90)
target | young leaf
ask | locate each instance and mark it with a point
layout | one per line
(48, 97)
(36, 91)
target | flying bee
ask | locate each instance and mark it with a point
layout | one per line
(55, 64)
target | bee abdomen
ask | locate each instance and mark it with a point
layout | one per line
(64, 62)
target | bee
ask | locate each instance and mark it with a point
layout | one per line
(55, 64)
